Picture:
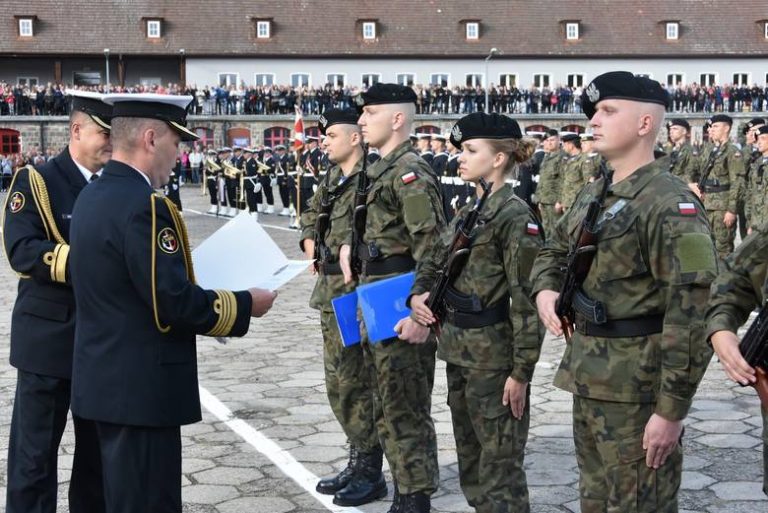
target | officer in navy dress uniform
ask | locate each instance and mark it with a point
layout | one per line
(139, 309)
(252, 186)
(36, 239)
(266, 176)
(440, 159)
(283, 166)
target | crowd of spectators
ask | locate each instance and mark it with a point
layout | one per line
(437, 99)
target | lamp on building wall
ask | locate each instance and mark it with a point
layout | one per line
(106, 58)
(493, 52)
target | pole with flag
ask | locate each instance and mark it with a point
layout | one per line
(298, 144)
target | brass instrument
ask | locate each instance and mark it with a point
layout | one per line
(209, 167)
(230, 171)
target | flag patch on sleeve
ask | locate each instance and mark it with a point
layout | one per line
(409, 177)
(686, 209)
(532, 229)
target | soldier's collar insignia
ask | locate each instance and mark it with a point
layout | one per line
(16, 203)
(593, 93)
(456, 133)
(168, 241)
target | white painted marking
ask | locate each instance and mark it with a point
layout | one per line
(225, 218)
(280, 457)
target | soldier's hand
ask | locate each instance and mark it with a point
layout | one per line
(660, 439)
(749, 231)
(345, 261)
(726, 345)
(695, 188)
(309, 252)
(559, 207)
(420, 311)
(729, 219)
(411, 331)
(545, 303)
(261, 301)
(514, 397)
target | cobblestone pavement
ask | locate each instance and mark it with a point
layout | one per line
(272, 380)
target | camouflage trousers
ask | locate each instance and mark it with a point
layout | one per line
(723, 235)
(549, 218)
(765, 450)
(490, 442)
(609, 449)
(348, 386)
(403, 375)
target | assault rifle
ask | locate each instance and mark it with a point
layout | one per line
(580, 258)
(322, 223)
(359, 216)
(708, 169)
(754, 348)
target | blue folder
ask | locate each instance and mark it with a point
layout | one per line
(345, 308)
(383, 304)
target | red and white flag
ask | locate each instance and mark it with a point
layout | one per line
(298, 130)
(686, 209)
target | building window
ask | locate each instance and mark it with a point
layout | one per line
(228, 79)
(541, 80)
(276, 135)
(9, 141)
(766, 30)
(300, 80)
(264, 79)
(369, 30)
(474, 80)
(205, 135)
(673, 30)
(708, 79)
(675, 79)
(741, 79)
(27, 81)
(576, 80)
(572, 31)
(428, 129)
(406, 79)
(153, 29)
(438, 79)
(336, 79)
(86, 78)
(508, 80)
(263, 29)
(473, 30)
(371, 78)
(25, 27)
(150, 81)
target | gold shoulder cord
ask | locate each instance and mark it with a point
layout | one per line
(153, 243)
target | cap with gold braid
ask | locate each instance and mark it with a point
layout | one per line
(169, 108)
(92, 104)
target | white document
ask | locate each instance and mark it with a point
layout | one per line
(241, 255)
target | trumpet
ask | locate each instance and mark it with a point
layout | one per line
(262, 166)
(230, 171)
(210, 167)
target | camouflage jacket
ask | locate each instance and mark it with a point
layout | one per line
(741, 286)
(655, 256)
(576, 173)
(683, 162)
(550, 177)
(504, 246)
(756, 195)
(728, 171)
(342, 191)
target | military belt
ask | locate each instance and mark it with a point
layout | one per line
(486, 317)
(621, 328)
(330, 269)
(389, 265)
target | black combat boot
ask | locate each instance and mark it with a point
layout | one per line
(331, 485)
(367, 483)
(395, 508)
(415, 503)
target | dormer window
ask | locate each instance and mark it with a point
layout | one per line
(673, 30)
(473, 30)
(369, 30)
(572, 30)
(263, 29)
(26, 27)
(153, 29)
(765, 29)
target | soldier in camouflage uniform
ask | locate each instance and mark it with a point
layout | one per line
(346, 382)
(742, 286)
(750, 155)
(756, 206)
(404, 218)
(683, 158)
(550, 181)
(490, 350)
(592, 159)
(574, 174)
(634, 373)
(724, 185)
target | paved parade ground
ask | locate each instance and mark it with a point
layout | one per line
(268, 433)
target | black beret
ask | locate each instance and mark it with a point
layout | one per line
(570, 137)
(336, 117)
(721, 118)
(480, 125)
(679, 122)
(553, 132)
(380, 94)
(762, 130)
(755, 122)
(622, 85)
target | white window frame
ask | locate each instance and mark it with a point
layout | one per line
(369, 25)
(715, 75)
(151, 25)
(748, 74)
(646, 75)
(517, 79)
(542, 86)
(26, 27)
(480, 82)
(266, 25)
(362, 77)
(333, 84)
(237, 78)
(674, 73)
(406, 73)
(583, 79)
(673, 31)
(439, 73)
(572, 30)
(256, 82)
(473, 30)
(308, 75)
(28, 80)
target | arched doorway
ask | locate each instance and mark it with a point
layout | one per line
(277, 135)
(239, 137)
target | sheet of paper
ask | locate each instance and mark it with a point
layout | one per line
(241, 255)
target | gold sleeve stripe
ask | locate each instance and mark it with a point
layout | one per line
(59, 265)
(225, 306)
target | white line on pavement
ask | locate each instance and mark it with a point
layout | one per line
(271, 226)
(280, 457)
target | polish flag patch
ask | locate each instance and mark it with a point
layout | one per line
(532, 229)
(686, 209)
(409, 177)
